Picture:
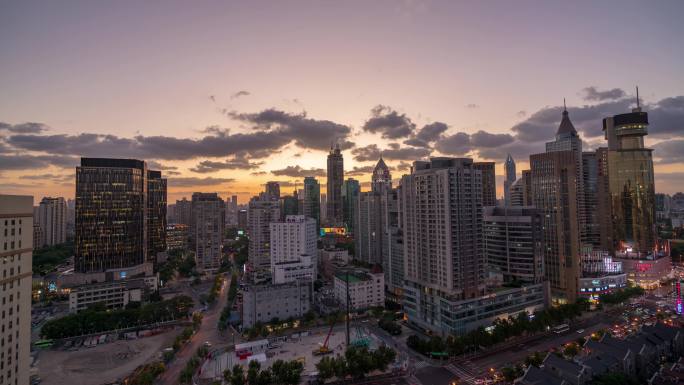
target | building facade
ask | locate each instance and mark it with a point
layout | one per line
(111, 214)
(177, 237)
(156, 214)
(302, 269)
(514, 244)
(488, 182)
(335, 210)
(292, 238)
(510, 177)
(113, 294)
(52, 220)
(184, 212)
(16, 232)
(350, 193)
(311, 200)
(208, 222)
(264, 303)
(366, 288)
(260, 215)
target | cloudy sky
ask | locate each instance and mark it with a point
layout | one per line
(224, 96)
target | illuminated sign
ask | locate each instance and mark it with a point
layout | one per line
(333, 230)
(122, 274)
(643, 266)
(241, 232)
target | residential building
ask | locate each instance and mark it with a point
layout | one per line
(271, 191)
(184, 212)
(292, 238)
(350, 192)
(301, 269)
(266, 302)
(311, 200)
(510, 177)
(16, 232)
(335, 211)
(242, 219)
(361, 287)
(177, 237)
(513, 243)
(156, 214)
(393, 245)
(51, 219)
(488, 182)
(371, 210)
(208, 222)
(260, 215)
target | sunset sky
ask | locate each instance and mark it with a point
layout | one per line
(225, 95)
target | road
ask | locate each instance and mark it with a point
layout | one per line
(208, 331)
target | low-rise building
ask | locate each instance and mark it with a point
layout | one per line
(265, 302)
(366, 288)
(290, 271)
(646, 271)
(113, 294)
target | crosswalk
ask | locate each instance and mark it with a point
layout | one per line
(420, 365)
(463, 373)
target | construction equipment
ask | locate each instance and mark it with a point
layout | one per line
(324, 349)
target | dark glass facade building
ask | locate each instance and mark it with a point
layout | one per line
(156, 214)
(111, 207)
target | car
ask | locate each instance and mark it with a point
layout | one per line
(580, 331)
(207, 344)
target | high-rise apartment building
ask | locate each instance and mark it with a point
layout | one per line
(261, 214)
(556, 191)
(16, 232)
(350, 192)
(184, 212)
(335, 211)
(156, 214)
(509, 179)
(370, 215)
(514, 245)
(51, 219)
(488, 182)
(311, 199)
(111, 214)
(631, 183)
(290, 239)
(393, 245)
(443, 245)
(208, 221)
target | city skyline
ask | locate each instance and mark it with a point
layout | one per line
(228, 118)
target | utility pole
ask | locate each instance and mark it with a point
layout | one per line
(348, 300)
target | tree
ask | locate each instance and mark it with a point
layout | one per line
(236, 376)
(614, 379)
(287, 372)
(571, 349)
(535, 359)
(253, 372)
(326, 368)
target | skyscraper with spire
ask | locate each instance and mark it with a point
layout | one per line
(335, 210)
(631, 185)
(556, 191)
(509, 178)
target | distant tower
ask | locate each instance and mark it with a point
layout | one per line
(335, 211)
(381, 179)
(510, 177)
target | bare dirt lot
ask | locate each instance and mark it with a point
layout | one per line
(101, 364)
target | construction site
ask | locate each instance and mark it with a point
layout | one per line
(307, 347)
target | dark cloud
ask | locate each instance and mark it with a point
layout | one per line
(50, 177)
(593, 94)
(193, 181)
(519, 150)
(670, 151)
(298, 172)
(485, 139)
(154, 165)
(395, 152)
(287, 183)
(23, 128)
(257, 173)
(239, 94)
(389, 123)
(456, 144)
(29, 162)
(429, 133)
(360, 171)
(238, 162)
(305, 132)
(666, 118)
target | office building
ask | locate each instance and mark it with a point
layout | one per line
(393, 245)
(311, 200)
(266, 302)
(366, 288)
(242, 219)
(371, 216)
(488, 182)
(350, 192)
(260, 215)
(292, 238)
(208, 221)
(301, 269)
(631, 184)
(513, 243)
(271, 192)
(111, 214)
(51, 220)
(556, 186)
(510, 178)
(289, 205)
(381, 180)
(156, 214)
(600, 274)
(16, 232)
(591, 179)
(335, 211)
(184, 212)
